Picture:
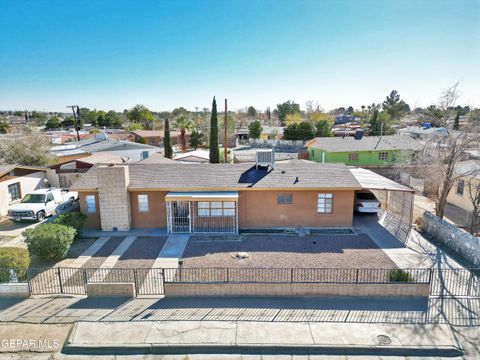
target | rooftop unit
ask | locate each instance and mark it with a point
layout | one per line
(265, 157)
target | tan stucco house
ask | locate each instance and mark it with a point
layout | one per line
(217, 198)
(459, 194)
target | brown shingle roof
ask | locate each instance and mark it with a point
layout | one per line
(294, 174)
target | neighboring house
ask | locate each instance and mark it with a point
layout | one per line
(195, 156)
(459, 195)
(70, 171)
(151, 137)
(367, 151)
(131, 151)
(344, 118)
(16, 180)
(217, 198)
(157, 159)
(271, 133)
(155, 137)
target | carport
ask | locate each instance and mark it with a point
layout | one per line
(397, 201)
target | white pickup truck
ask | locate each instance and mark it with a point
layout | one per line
(41, 203)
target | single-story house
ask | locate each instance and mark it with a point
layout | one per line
(217, 198)
(16, 181)
(155, 137)
(365, 151)
(271, 133)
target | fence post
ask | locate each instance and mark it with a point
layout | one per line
(135, 280)
(85, 280)
(60, 280)
(291, 275)
(228, 275)
(356, 276)
(470, 283)
(28, 282)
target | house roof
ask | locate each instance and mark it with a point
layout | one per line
(148, 133)
(199, 153)
(156, 159)
(295, 174)
(471, 168)
(366, 143)
(5, 169)
(103, 157)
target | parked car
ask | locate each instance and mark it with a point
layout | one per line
(39, 204)
(366, 202)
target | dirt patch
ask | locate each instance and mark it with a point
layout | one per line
(285, 251)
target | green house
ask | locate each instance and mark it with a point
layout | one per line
(367, 151)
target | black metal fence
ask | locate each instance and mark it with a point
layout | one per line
(150, 281)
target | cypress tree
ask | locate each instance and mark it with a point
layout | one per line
(167, 143)
(456, 123)
(214, 151)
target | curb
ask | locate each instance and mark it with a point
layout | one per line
(142, 349)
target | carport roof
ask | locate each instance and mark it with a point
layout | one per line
(372, 181)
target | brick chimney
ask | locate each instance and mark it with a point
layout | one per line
(113, 197)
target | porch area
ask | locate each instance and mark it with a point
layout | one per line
(202, 212)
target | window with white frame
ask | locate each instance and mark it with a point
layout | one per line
(14, 191)
(324, 203)
(143, 203)
(383, 156)
(90, 204)
(216, 208)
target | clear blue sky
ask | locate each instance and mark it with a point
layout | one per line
(113, 54)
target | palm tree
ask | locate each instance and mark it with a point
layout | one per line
(184, 124)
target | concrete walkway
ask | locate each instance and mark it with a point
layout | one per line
(418, 253)
(131, 232)
(112, 259)
(87, 254)
(225, 337)
(172, 251)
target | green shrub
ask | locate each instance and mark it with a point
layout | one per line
(50, 241)
(399, 276)
(73, 219)
(14, 258)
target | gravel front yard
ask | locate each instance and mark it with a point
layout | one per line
(280, 251)
(99, 257)
(142, 253)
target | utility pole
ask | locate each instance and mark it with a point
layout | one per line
(75, 117)
(225, 134)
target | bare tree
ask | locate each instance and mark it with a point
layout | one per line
(473, 192)
(440, 158)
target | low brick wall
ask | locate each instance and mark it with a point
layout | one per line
(111, 289)
(14, 290)
(458, 240)
(295, 289)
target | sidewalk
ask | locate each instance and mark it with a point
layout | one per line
(230, 337)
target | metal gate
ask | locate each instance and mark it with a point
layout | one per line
(57, 281)
(178, 217)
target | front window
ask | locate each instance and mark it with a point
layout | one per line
(216, 208)
(324, 203)
(90, 204)
(283, 199)
(49, 197)
(352, 157)
(383, 156)
(14, 191)
(143, 203)
(460, 187)
(34, 199)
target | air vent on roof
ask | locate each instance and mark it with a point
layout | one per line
(265, 158)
